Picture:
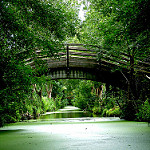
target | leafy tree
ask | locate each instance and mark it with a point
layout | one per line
(121, 27)
(144, 112)
(83, 96)
(26, 27)
(69, 85)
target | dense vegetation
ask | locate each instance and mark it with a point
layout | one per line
(27, 26)
(122, 27)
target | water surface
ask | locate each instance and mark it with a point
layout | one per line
(74, 114)
(81, 133)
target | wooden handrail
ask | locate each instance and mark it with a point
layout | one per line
(86, 53)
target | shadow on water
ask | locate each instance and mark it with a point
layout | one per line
(11, 131)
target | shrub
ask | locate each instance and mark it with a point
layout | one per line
(109, 102)
(144, 112)
(113, 112)
(52, 105)
(30, 109)
(64, 103)
(2, 120)
(48, 104)
(58, 102)
(97, 110)
(104, 112)
(10, 119)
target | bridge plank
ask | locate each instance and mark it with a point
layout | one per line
(83, 54)
(74, 44)
(57, 64)
(81, 58)
(80, 49)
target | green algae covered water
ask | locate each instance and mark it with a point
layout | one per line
(75, 133)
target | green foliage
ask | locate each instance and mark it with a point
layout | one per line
(109, 102)
(83, 98)
(104, 112)
(48, 104)
(121, 27)
(118, 25)
(113, 112)
(129, 111)
(10, 113)
(97, 110)
(144, 112)
(27, 26)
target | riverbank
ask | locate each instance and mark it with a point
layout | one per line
(65, 109)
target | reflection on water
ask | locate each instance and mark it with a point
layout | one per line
(72, 114)
(68, 114)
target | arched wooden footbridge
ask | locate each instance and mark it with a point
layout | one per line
(78, 61)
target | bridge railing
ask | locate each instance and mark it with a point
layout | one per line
(79, 56)
(88, 56)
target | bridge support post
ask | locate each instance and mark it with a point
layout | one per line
(67, 61)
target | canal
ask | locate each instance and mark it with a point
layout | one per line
(72, 129)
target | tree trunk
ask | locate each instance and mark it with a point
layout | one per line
(38, 92)
(132, 95)
(100, 91)
(131, 107)
(49, 91)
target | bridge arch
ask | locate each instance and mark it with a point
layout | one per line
(80, 61)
